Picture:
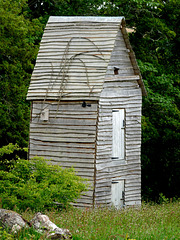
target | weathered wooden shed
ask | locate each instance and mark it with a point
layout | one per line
(86, 93)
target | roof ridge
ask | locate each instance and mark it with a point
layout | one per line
(84, 18)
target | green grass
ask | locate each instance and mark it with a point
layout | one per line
(148, 222)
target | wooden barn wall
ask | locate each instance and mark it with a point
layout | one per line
(119, 91)
(67, 138)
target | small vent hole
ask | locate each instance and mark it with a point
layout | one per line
(116, 71)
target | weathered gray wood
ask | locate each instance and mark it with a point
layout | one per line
(96, 35)
(67, 106)
(81, 28)
(83, 136)
(103, 195)
(83, 157)
(65, 151)
(64, 144)
(133, 189)
(66, 122)
(68, 161)
(77, 42)
(61, 131)
(84, 20)
(134, 195)
(131, 101)
(56, 77)
(101, 202)
(118, 101)
(122, 84)
(70, 71)
(57, 149)
(123, 78)
(133, 185)
(65, 98)
(78, 34)
(97, 54)
(71, 83)
(65, 129)
(59, 115)
(120, 93)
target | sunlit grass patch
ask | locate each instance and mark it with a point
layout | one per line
(148, 222)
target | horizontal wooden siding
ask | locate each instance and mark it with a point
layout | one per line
(67, 138)
(120, 91)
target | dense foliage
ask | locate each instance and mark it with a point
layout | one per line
(19, 39)
(37, 184)
(156, 42)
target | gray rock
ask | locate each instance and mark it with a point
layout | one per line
(12, 220)
(42, 223)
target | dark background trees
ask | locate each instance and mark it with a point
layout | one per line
(156, 44)
(19, 39)
(155, 41)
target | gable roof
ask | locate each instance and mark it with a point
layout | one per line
(73, 58)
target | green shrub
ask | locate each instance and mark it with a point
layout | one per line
(8, 156)
(38, 185)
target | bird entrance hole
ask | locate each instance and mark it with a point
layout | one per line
(116, 71)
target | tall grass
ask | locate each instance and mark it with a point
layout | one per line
(148, 222)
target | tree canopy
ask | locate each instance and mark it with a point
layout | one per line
(155, 40)
(19, 40)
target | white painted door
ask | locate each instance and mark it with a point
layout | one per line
(118, 138)
(117, 194)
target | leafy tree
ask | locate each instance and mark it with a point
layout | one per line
(9, 154)
(45, 8)
(19, 41)
(161, 136)
(156, 42)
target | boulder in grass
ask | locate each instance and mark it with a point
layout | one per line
(42, 223)
(15, 222)
(12, 220)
